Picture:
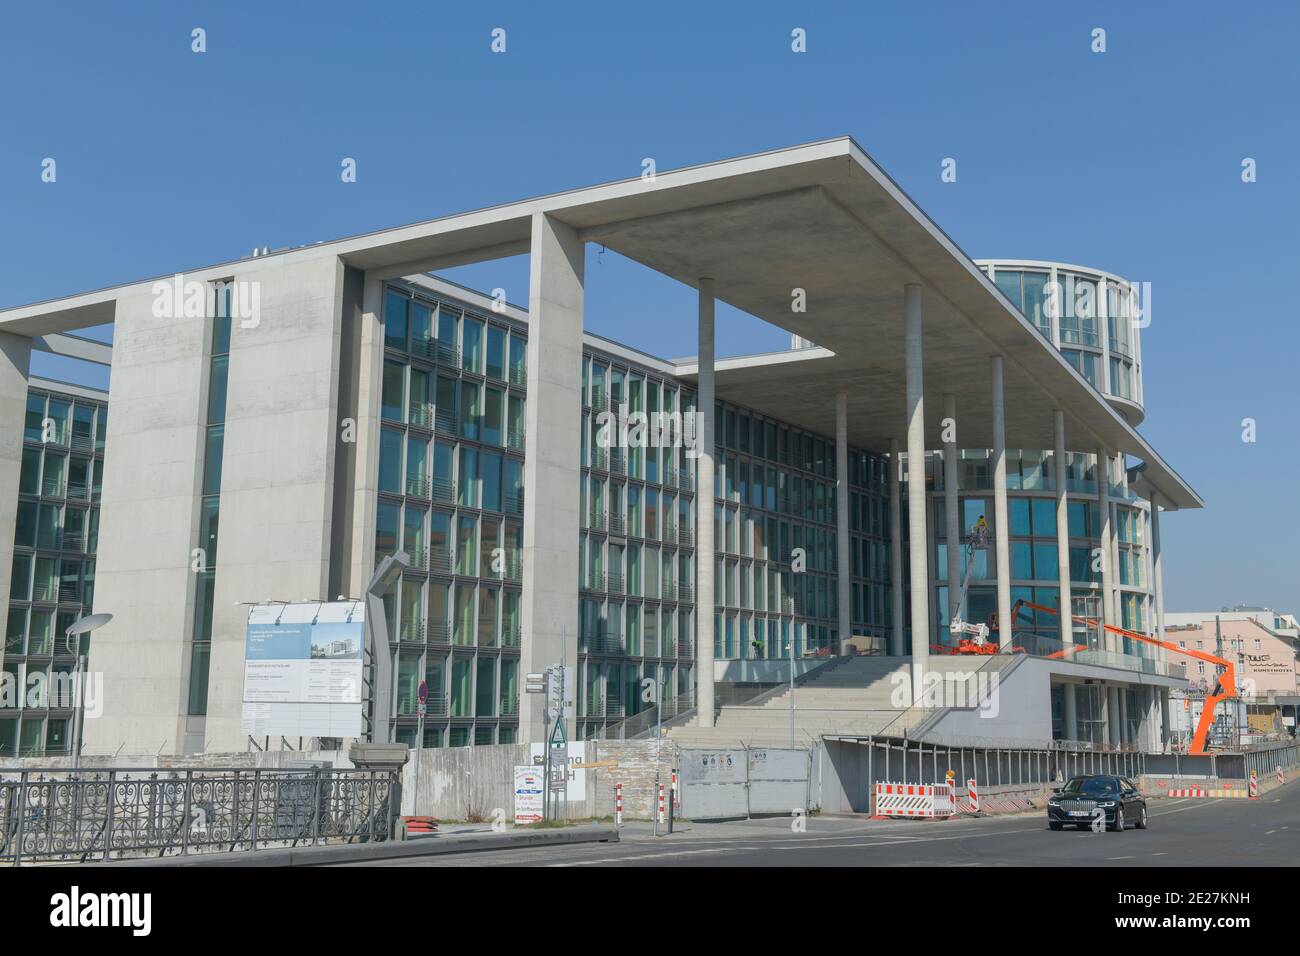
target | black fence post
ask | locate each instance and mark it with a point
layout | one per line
(185, 833)
(108, 818)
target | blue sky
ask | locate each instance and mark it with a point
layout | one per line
(1128, 160)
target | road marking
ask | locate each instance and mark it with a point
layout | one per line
(1159, 854)
(1121, 858)
(649, 856)
(734, 849)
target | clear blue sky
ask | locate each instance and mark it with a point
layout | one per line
(1128, 160)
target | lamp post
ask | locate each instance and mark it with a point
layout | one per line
(78, 627)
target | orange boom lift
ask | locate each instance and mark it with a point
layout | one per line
(1225, 688)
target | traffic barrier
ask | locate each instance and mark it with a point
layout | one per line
(914, 800)
(1254, 785)
(972, 796)
(417, 825)
(1215, 793)
(1281, 777)
(618, 804)
(662, 816)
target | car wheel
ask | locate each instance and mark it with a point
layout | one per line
(1142, 819)
(1119, 820)
(1054, 824)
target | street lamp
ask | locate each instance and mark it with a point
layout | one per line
(78, 627)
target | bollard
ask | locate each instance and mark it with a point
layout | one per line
(618, 804)
(1254, 785)
(973, 792)
(661, 803)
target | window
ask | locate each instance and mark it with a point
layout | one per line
(496, 352)
(472, 345)
(393, 391)
(390, 461)
(395, 318)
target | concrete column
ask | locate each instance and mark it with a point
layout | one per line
(549, 606)
(1125, 735)
(842, 515)
(1071, 713)
(1062, 531)
(1107, 579)
(895, 550)
(1157, 567)
(1115, 725)
(1164, 717)
(704, 513)
(951, 504)
(1107, 715)
(1001, 543)
(917, 501)
(15, 358)
(1151, 739)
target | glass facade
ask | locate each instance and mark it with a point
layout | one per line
(451, 457)
(450, 480)
(205, 566)
(774, 538)
(52, 582)
(1088, 315)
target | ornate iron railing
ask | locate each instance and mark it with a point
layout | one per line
(80, 815)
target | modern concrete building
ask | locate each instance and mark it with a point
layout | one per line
(345, 404)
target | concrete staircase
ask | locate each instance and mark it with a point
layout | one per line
(860, 696)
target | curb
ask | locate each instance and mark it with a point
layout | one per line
(380, 853)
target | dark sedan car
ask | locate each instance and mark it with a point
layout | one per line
(1090, 801)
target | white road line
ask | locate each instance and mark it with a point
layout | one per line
(836, 846)
(650, 856)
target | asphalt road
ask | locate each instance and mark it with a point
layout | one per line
(1264, 832)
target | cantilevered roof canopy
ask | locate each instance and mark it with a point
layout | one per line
(822, 218)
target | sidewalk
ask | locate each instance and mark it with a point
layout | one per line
(466, 839)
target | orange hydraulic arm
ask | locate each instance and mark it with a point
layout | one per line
(1226, 688)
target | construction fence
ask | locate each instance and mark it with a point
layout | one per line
(849, 768)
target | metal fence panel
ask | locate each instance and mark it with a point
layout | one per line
(58, 814)
(778, 780)
(714, 784)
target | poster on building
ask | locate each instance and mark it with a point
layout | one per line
(529, 795)
(303, 669)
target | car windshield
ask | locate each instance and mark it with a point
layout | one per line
(1091, 787)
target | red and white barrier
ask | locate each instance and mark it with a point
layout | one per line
(663, 817)
(618, 804)
(1281, 777)
(914, 800)
(1214, 793)
(973, 792)
(1254, 785)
